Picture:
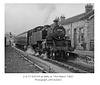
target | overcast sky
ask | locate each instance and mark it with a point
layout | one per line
(22, 17)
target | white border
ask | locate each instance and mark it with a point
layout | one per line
(77, 79)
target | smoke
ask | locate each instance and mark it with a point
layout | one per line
(49, 10)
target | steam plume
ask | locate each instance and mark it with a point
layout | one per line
(50, 8)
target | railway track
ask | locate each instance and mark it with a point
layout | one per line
(67, 65)
(73, 67)
(81, 66)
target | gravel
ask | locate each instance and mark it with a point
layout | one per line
(14, 63)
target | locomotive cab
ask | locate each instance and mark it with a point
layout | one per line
(44, 34)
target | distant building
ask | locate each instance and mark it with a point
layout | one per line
(9, 37)
(80, 29)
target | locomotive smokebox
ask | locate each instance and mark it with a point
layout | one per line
(59, 32)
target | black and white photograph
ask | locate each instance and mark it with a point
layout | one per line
(49, 42)
(49, 38)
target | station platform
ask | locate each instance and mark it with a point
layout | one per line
(83, 52)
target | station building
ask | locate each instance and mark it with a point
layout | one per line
(80, 29)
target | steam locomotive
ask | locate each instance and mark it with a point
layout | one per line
(51, 40)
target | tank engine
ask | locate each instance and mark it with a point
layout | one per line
(47, 39)
(57, 44)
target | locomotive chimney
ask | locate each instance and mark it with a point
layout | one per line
(56, 21)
